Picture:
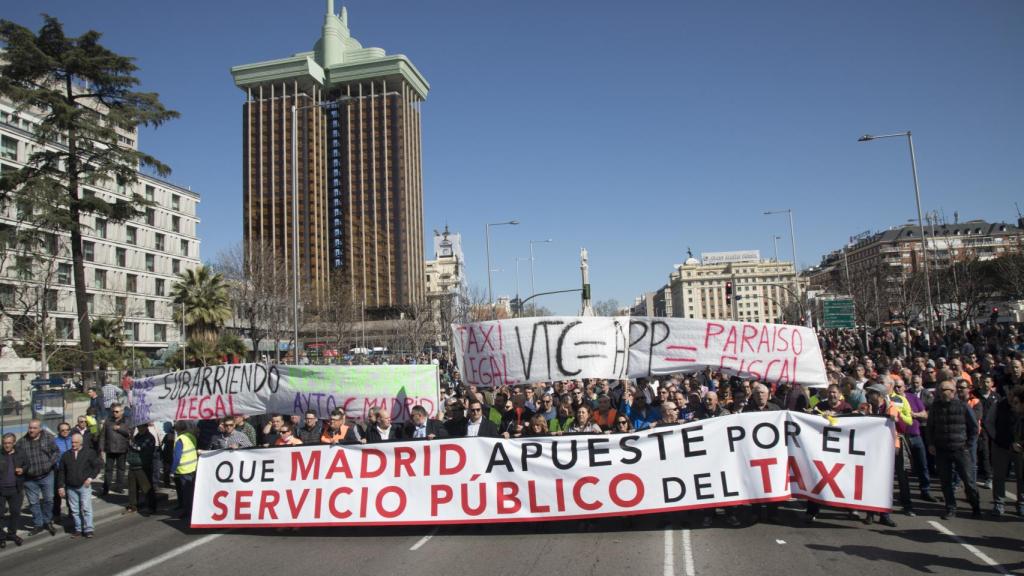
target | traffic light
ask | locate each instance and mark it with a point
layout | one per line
(728, 293)
(995, 314)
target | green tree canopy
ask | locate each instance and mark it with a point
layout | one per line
(85, 96)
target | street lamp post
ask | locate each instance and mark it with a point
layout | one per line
(792, 239)
(487, 235)
(533, 289)
(775, 242)
(920, 218)
(518, 260)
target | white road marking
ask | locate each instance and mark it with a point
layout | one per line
(970, 548)
(687, 554)
(167, 556)
(670, 560)
(419, 544)
(777, 541)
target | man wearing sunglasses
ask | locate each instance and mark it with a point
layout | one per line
(476, 424)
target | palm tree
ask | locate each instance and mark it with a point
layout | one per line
(205, 296)
(108, 337)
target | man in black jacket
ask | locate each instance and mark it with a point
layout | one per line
(1003, 424)
(12, 491)
(382, 430)
(78, 467)
(423, 427)
(951, 429)
(114, 447)
(476, 424)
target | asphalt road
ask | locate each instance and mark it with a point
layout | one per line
(650, 545)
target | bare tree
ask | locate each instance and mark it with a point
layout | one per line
(259, 292)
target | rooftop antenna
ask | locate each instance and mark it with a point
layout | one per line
(1019, 215)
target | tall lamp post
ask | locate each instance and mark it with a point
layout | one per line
(792, 239)
(533, 289)
(518, 260)
(920, 218)
(487, 235)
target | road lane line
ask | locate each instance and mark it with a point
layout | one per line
(670, 561)
(687, 554)
(419, 544)
(970, 548)
(167, 556)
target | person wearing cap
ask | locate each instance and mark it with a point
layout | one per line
(878, 404)
(951, 428)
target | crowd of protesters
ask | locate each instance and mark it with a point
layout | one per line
(957, 400)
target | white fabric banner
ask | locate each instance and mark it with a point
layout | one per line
(774, 353)
(541, 349)
(246, 389)
(726, 461)
(526, 350)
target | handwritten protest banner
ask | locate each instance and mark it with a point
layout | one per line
(726, 461)
(244, 389)
(542, 349)
(775, 353)
(525, 350)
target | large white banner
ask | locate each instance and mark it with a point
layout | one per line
(542, 349)
(726, 461)
(525, 350)
(775, 353)
(246, 389)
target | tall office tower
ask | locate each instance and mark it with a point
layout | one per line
(356, 159)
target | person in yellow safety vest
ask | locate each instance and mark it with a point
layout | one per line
(184, 463)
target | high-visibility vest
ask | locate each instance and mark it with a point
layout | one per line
(94, 426)
(189, 455)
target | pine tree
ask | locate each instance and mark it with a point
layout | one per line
(84, 94)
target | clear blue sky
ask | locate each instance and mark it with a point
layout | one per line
(635, 129)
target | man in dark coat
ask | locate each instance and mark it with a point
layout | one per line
(382, 430)
(951, 429)
(114, 447)
(12, 491)
(476, 424)
(422, 427)
(78, 467)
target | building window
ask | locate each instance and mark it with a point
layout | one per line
(175, 202)
(160, 332)
(122, 257)
(150, 193)
(23, 267)
(101, 228)
(89, 300)
(52, 297)
(150, 263)
(184, 247)
(176, 266)
(151, 216)
(64, 274)
(132, 283)
(100, 279)
(122, 186)
(6, 294)
(150, 308)
(8, 148)
(120, 306)
(65, 328)
(160, 242)
(159, 287)
(133, 235)
(131, 331)
(176, 223)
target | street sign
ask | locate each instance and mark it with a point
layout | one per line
(839, 313)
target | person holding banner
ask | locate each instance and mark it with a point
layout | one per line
(423, 427)
(286, 436)
(382, 430)
(311, 429)
(477, 425)
(582, 424)
(337, 431)
(229, 437)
